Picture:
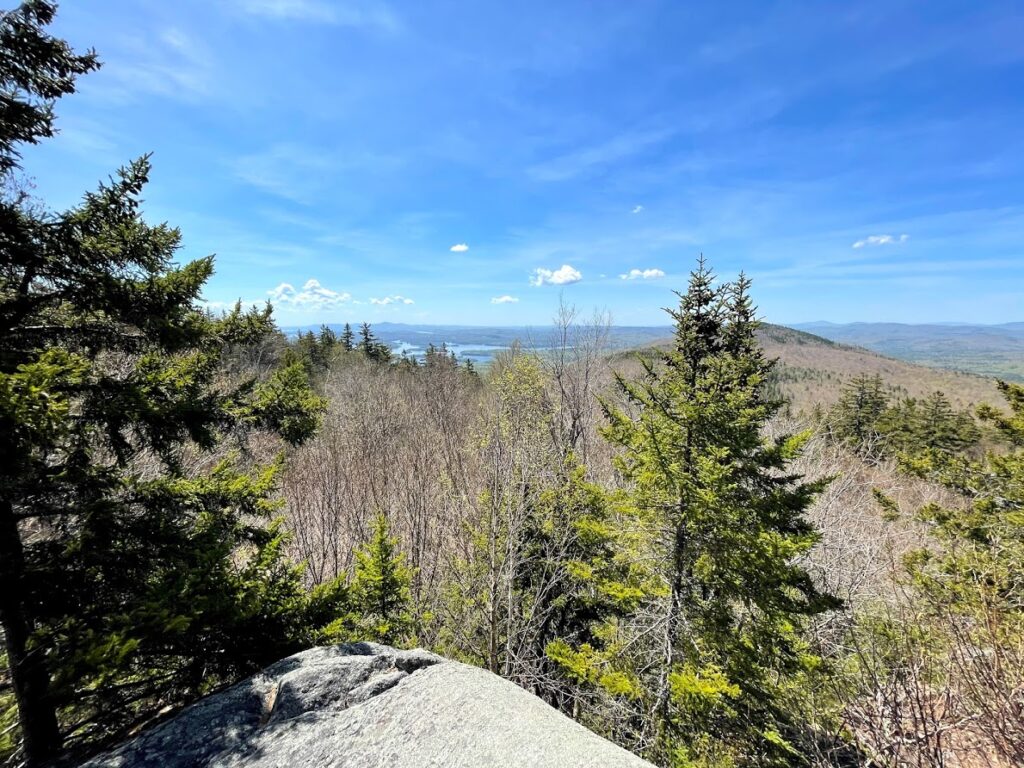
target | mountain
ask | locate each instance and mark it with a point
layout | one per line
(989, 350)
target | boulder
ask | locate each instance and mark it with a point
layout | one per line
(369, 705)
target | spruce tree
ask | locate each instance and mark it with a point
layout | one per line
(347, 338)
(579, 576)
(855, 418)
(728, 524)
(128, 581)
(367, 341)
(370, 347)
(381, 585)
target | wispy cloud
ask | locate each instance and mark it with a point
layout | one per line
(285, 170)
(876, 240)
(564, 275)
(172, 64)
(642, 274)
(577, 163)
(396, 299)
(459, 248)
(350, 14)
(506, 299)
(637, 209)
(300, 173)
(312, 296)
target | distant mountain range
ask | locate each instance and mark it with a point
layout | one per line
(988, 350)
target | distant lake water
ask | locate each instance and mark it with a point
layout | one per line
(478, 353)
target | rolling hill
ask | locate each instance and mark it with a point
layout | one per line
(813, 370)
(989, 350)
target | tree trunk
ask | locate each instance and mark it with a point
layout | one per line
(37, 716)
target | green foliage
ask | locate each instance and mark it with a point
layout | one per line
(855, 418)
(35, 71)
(380, 588)
(154, 569)
(578, 577)
(866, 419)
(978, 568)
(317, 351)
(729, 527)
(347, 339)
(372, 349)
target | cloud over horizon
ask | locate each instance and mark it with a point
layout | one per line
(312, 296)
(506, 299)
(396, 299)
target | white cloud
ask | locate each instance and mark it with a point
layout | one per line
(637, 208)
(564, 275)
(504, 300)
(367, 13)
(396, 299)
(459, 248)
(642, 274)
(312, 296)
(876, 240)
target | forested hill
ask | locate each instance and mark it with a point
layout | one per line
(989, 350)
(813, 369)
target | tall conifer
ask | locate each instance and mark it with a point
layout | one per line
(127, 580)
(728, 523)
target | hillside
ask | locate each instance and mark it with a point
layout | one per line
(988, 350)
(813, 370)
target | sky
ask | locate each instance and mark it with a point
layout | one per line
(473, 162)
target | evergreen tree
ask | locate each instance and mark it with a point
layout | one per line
(381, 585)
(728, 523)
(367, 341)
(970, 585)
(370, 347)
(347, 338)
(579, 577)
(941, 428)
(127, 582)
(855, 418)
(35, 70)
(907, 428)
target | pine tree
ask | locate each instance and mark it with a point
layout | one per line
(142, 582)
(381, 585)
(728, 523)
(347, 337)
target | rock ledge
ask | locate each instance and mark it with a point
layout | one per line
(364, 704)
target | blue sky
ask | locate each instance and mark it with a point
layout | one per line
(467, 162)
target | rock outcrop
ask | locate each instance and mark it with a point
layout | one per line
(369, 705)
